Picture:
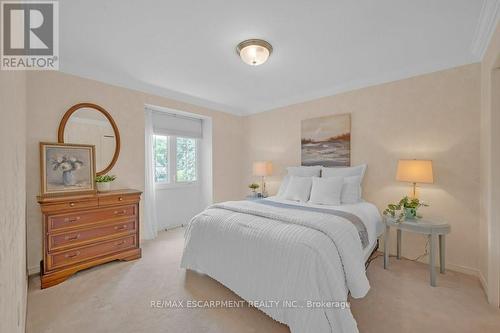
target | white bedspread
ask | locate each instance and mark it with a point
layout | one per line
(271, 254)
(367, 211)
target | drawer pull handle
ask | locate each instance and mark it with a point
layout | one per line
(71, 220)
(123, 227)
(72, 204)
(71, 238)
(120, 198)
(120, 212)
(72, 255)
(120, 243)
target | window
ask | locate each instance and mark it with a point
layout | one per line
(176, 160)
(186, 160)
(161, 155)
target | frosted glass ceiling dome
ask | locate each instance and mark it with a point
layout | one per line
(254, 52)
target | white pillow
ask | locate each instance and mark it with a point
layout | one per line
(298, 189)
(300, 171)
(358, 170)
(283, 186)
(304, 171)
(351, 190)
(326, 191)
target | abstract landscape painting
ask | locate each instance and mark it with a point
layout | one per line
(326, 141)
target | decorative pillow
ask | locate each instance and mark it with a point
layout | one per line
(304, 171)
(298, 189)
(283, 186)
(300, 171)
(326, 191)
(351, 190)
(358, 170)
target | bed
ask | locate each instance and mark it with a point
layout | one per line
(297, 262)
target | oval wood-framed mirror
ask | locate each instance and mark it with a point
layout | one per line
(88, 123)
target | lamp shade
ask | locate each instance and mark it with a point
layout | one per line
(262, 168)
(415, 171)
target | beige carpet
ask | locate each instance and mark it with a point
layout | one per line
(117, 297)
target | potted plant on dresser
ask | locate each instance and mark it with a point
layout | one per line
(104, 182)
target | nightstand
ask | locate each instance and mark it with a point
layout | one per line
(433, 229)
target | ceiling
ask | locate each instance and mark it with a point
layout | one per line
(186, 49)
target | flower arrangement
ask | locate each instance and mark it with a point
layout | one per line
(65, 163)
(407, 206)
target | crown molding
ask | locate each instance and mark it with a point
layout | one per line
(485, 27)
(141, 86)
(388, 77)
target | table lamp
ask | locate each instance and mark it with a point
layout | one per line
(415, 171)
(263, 169)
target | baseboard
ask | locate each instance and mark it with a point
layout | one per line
(174, 227)
(463, 269)
(449, 266)
(33, 270)
(484, 282)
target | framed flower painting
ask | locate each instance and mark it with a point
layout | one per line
(67, 168)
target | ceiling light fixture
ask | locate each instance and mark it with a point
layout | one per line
(254, 51)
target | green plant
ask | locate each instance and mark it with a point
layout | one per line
(406, 202)
(105, 178)
(253, 186)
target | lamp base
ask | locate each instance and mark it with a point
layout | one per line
(414, 191)
(264, 191)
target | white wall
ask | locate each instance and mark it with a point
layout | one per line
(489, 229)
(176, 206)
(494, 237)
(206, 165)
(13, 277)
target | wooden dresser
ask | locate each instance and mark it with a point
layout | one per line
(82, 231)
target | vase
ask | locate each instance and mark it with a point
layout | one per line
(102, 187)
(410, 213)
(69, 178)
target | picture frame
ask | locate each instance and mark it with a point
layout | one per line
(67, 169)
(326, 141)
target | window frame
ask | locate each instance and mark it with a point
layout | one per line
(172, 163)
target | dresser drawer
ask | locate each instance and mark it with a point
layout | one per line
(85, 236)
(71, 220)
(70, 205)
(69, 257)
(112, 200)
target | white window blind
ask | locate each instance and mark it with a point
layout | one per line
(176, 125)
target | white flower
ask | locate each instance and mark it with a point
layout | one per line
(65, 166)
(77, 165)
(72, 159)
